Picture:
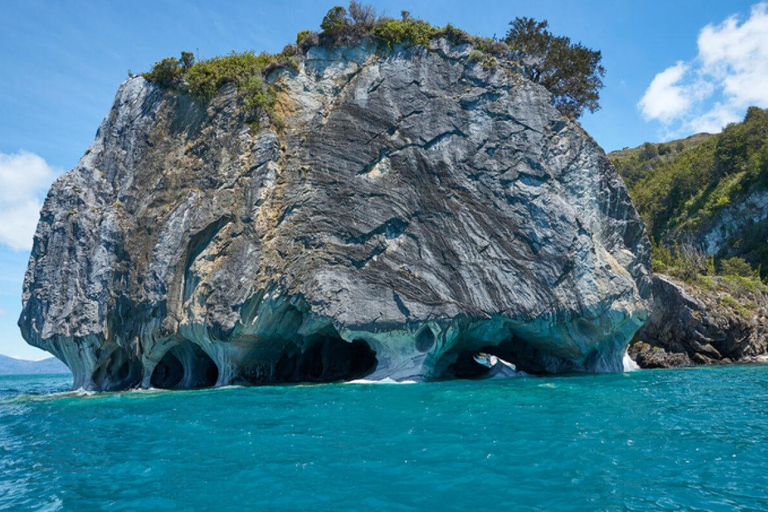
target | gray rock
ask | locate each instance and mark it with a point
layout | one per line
(691, 325)
(415, 209)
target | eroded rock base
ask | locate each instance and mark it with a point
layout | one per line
(287, 344)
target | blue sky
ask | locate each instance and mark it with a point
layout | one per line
(673, 68)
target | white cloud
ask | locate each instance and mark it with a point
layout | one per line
(665, 99)
(2, 313)
(714, 120)
(729, 74)
(24, 179)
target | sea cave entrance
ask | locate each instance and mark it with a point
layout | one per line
(319, 358)
(119, 371)
(185, 366)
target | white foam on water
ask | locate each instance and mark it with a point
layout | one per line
(629, 364)
(386, 380)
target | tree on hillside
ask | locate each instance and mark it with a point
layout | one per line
(570, 71)
(362, 15)
(335, 21)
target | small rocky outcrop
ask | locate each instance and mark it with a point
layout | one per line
(415, 209)
(696, 324)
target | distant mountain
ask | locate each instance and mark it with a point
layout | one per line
(13, 366)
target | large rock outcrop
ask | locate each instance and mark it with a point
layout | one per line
(692, 324)
(416, 208)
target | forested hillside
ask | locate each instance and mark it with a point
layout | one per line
(704, 199)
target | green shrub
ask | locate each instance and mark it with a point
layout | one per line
(165, 73)
(490, 62)
(409, 30)
(203, 79)
(736, 266)
(362, 15)
(335, 21)
(475, 55)
(732, 303)
(259, 98)
(187, 59)
(455, 35)
(649, 151)
(684, 262)
(208, 76)
(302, 36)
(289, 50)
(306, 39)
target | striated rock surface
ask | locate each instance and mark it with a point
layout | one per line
(416, 208)
(693, 325)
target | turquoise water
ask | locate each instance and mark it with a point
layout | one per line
(693, 439)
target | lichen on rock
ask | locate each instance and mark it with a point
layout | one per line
(415, 208)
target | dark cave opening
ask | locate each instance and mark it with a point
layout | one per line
(425, 340)
(168, 373)
(329, 359)
(324, 358)
(460, 363)
(185, 366)
(465, 367)
(119, 371)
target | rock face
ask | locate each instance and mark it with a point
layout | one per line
(415, 208)
(690, 325)
(745, 218)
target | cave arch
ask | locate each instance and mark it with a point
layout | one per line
(317, 358)
(119, 371)
(185, 366)
(332, 359)
(168, 373)
(514, 348)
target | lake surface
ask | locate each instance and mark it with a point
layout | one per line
(694, 439)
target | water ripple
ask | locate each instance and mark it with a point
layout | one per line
(651, 440)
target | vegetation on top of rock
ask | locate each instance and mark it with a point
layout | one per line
(738, 284)
(203, 79)
(571, 72)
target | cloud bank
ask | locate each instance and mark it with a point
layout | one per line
(24, 179)
(729, 74)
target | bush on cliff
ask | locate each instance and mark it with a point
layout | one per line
(571, 71)
(203, 79)
(406, 30)
(737, 284)
(165, 73)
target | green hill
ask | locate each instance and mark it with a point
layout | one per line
(704, 199)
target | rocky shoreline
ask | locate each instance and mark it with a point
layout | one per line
(692, 325)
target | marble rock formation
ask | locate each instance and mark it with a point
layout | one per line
(415, 208)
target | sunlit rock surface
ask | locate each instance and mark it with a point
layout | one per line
(691, 324)
(416, 208)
